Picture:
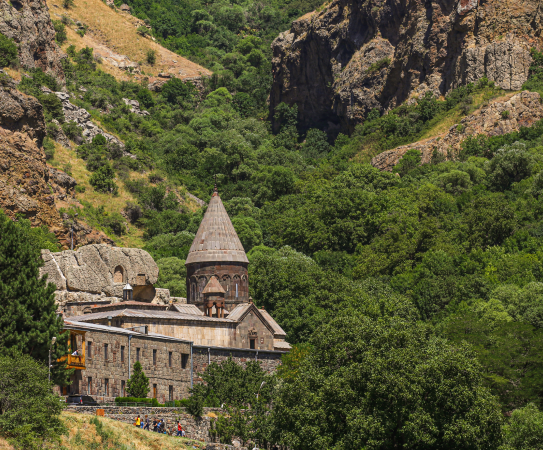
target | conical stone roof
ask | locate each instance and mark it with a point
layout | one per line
(216, 239)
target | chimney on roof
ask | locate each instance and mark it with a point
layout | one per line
(109, 319)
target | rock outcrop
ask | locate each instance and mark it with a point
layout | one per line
(97, 274)
(100, 269)
(134, 106)
(499, 117)
(25, 185)
(82, 118)
(355, 55)
(28, 23)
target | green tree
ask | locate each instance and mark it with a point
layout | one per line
(28, 318)
(510, 164)
(248, 231)
(138, 384)
(377, 384)
(524, 431)
(29, 411)
(408, 162)
(172, 275)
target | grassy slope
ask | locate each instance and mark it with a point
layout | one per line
(109, 30)
(84, 435)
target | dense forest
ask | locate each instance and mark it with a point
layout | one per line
(413, 299)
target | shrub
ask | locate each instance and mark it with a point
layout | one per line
(143, 30)
(151, 57)
(378, 65)
(408, 162)
(8, 51)
(68, 4)
(103, 180)
(60, 30)
(116, 223)
(133, 211)
(72, 130)
(48, 148)
(505, 114)
(80, 189)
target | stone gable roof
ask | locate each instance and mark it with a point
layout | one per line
(213, 287)
(216, 239)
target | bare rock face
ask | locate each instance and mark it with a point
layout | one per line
(100, 269)
(28, 23)
(25, 185)
(82, 118)
(355, 55)
(523, 110)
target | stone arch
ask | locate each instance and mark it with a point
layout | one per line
(119, 274)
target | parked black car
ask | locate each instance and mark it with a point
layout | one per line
(81, 400)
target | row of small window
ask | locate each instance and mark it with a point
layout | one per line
(184, 356)
(106, 392)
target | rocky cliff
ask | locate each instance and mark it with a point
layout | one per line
(28, 23)
(356, 55)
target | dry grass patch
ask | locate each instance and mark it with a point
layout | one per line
(84, 434)
(113, 32)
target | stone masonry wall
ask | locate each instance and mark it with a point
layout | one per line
(105, 377)
(195, 428)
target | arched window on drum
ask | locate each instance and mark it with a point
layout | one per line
(236, 287)
(226, 285)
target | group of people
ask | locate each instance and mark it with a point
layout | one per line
(159, 426)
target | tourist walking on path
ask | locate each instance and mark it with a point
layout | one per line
(146, 423)
(179, 429)
(138, 421)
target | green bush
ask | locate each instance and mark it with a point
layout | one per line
(80, 189)
(71, 130)
(103, 180)
(8, 51)
(48, 148)
(151, 57)
(60, 30)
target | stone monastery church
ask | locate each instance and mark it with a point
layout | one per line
(116, 316)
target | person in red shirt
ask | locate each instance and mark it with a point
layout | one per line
(179, 429)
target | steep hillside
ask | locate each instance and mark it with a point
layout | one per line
(339, 63)
(113, 36)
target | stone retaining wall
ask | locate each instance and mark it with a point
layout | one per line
(195, 429)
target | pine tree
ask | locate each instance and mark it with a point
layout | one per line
(28, 319)
(138, 384)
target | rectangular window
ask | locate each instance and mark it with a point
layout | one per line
(106, 387)
(184, 360)
(105, 351)
(89, 349)
(122, 353)
(154, 391)
(170, 393)
(137, 354)
(123, 385)
(154, 357)
(89, 386)
(170, 359)
(252, 343)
